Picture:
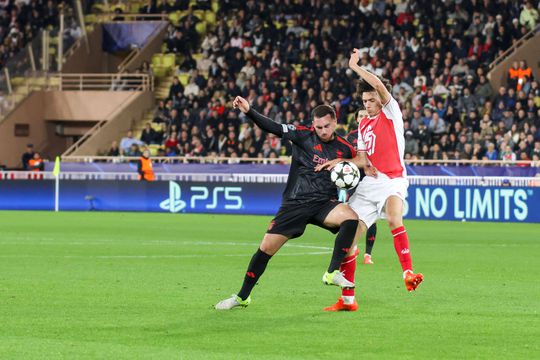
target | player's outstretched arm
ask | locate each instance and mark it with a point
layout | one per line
(370, 78)
(262, 121)
(360, 160)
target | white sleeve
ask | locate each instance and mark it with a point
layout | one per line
(361, 145)
(393, 112)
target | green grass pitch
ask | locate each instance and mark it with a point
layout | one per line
(136, 285)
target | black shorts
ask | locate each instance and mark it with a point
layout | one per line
(292, 218)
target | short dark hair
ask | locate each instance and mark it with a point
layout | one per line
(363, 86)
(323, 110)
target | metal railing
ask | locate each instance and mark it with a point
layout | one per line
(130, 17)
(514, 46)
(178, 159)
(282, 160)
(103, 82)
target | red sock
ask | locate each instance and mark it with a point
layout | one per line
(348, 267)
(401, 244)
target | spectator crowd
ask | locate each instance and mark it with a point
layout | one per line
(288, 56)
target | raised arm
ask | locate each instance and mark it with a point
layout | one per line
(370, 78)
(262, 121)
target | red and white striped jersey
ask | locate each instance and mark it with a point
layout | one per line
(382, 138)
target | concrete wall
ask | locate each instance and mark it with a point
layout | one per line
(29, 112)
(76, 112)
(528, 51)
(83, 105)
(122, 120)
(91, 60)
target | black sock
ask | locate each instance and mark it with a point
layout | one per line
(344, 240)
(255, 269)
(370, 238)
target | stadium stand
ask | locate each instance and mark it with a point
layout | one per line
(287, 57)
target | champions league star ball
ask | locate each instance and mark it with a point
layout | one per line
(345, 175)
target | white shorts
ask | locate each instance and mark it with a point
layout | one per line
(369, 198)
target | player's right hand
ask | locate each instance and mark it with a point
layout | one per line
(241, 104)
(329, 165)
(355, 57)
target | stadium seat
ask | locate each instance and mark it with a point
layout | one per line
(120, 6)
(157, 59)
(16, 81)
(184, 78)
(168, 61)
(210, 18)
(199, 14)
(134, 7)
(90, 19)
(154, 149)
(201, 28)
(174, 18)
(100, 8)
(215, 6)
(278, 25)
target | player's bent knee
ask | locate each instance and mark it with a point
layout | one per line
(395, 221)
(348, 214)
(272, 243)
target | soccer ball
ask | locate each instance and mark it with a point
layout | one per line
(345, 175)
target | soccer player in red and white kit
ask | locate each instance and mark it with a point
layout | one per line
(381, 145)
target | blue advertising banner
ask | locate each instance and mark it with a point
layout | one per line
(475, 203)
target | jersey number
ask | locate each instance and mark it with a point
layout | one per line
(369, 140)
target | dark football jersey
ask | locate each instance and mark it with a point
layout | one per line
(308, 151)
(352, 138)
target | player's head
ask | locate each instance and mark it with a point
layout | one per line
(324, 122)
(370, 98)
(360, 114)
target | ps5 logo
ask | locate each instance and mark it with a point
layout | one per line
(203, 197)
(174, 203)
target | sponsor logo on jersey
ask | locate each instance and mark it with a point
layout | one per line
(319, 160)
(318, 147)
(369, 140)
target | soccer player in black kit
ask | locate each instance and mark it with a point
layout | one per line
(309, 198)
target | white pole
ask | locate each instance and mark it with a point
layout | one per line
(61, 41)
(56, 192)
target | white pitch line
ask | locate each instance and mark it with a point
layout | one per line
(186, 256)
(326, 250)
(158, 242)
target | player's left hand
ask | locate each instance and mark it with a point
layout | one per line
(329, 165)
